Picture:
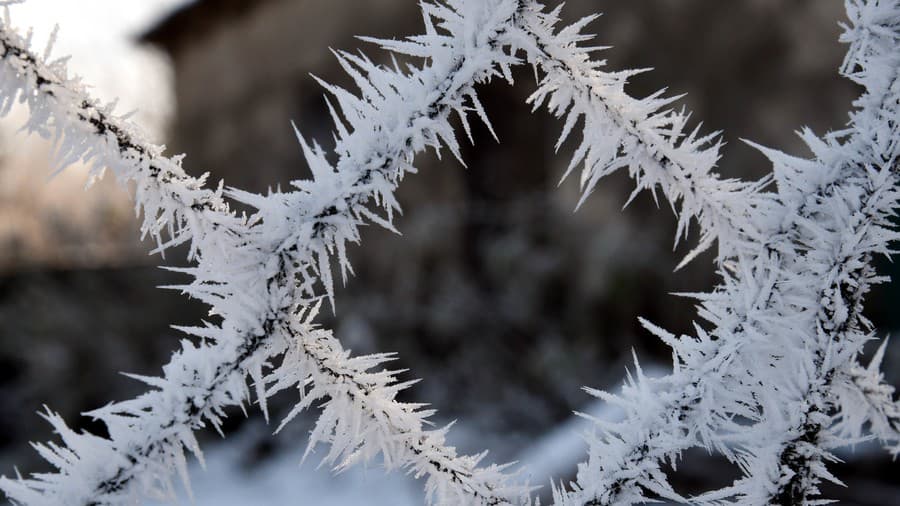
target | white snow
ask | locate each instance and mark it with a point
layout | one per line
(282, 480)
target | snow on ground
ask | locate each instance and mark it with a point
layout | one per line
(282, 480)
(555, 455)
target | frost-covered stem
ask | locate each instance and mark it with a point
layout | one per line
(836, 340)
(795, 260)
(275, 261)
(852, 224)
(874, 62)
(60, 108)
(883, 413)
(170, 201)
(638, 134)
(620, 132)
(796, 463)
(685, 409)
(837, 328)
(653, 436)
(366, 403)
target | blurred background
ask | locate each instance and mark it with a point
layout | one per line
(501, 297)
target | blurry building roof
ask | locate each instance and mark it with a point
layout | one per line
(194, 18)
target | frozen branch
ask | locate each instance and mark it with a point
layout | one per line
(258, 273)
(771, 379)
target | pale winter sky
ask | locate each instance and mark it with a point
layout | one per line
(99, 36)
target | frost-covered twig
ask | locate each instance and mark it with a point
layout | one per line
(257, 273)
(873, 61)
(662, 418)
(840, 230)
(60, 108)
(361, 420)
(787, 450)
(643, 136)
(867, 389)
(795, 265)
(792, 277)
(669, 415)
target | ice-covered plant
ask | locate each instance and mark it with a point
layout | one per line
(771, 378)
